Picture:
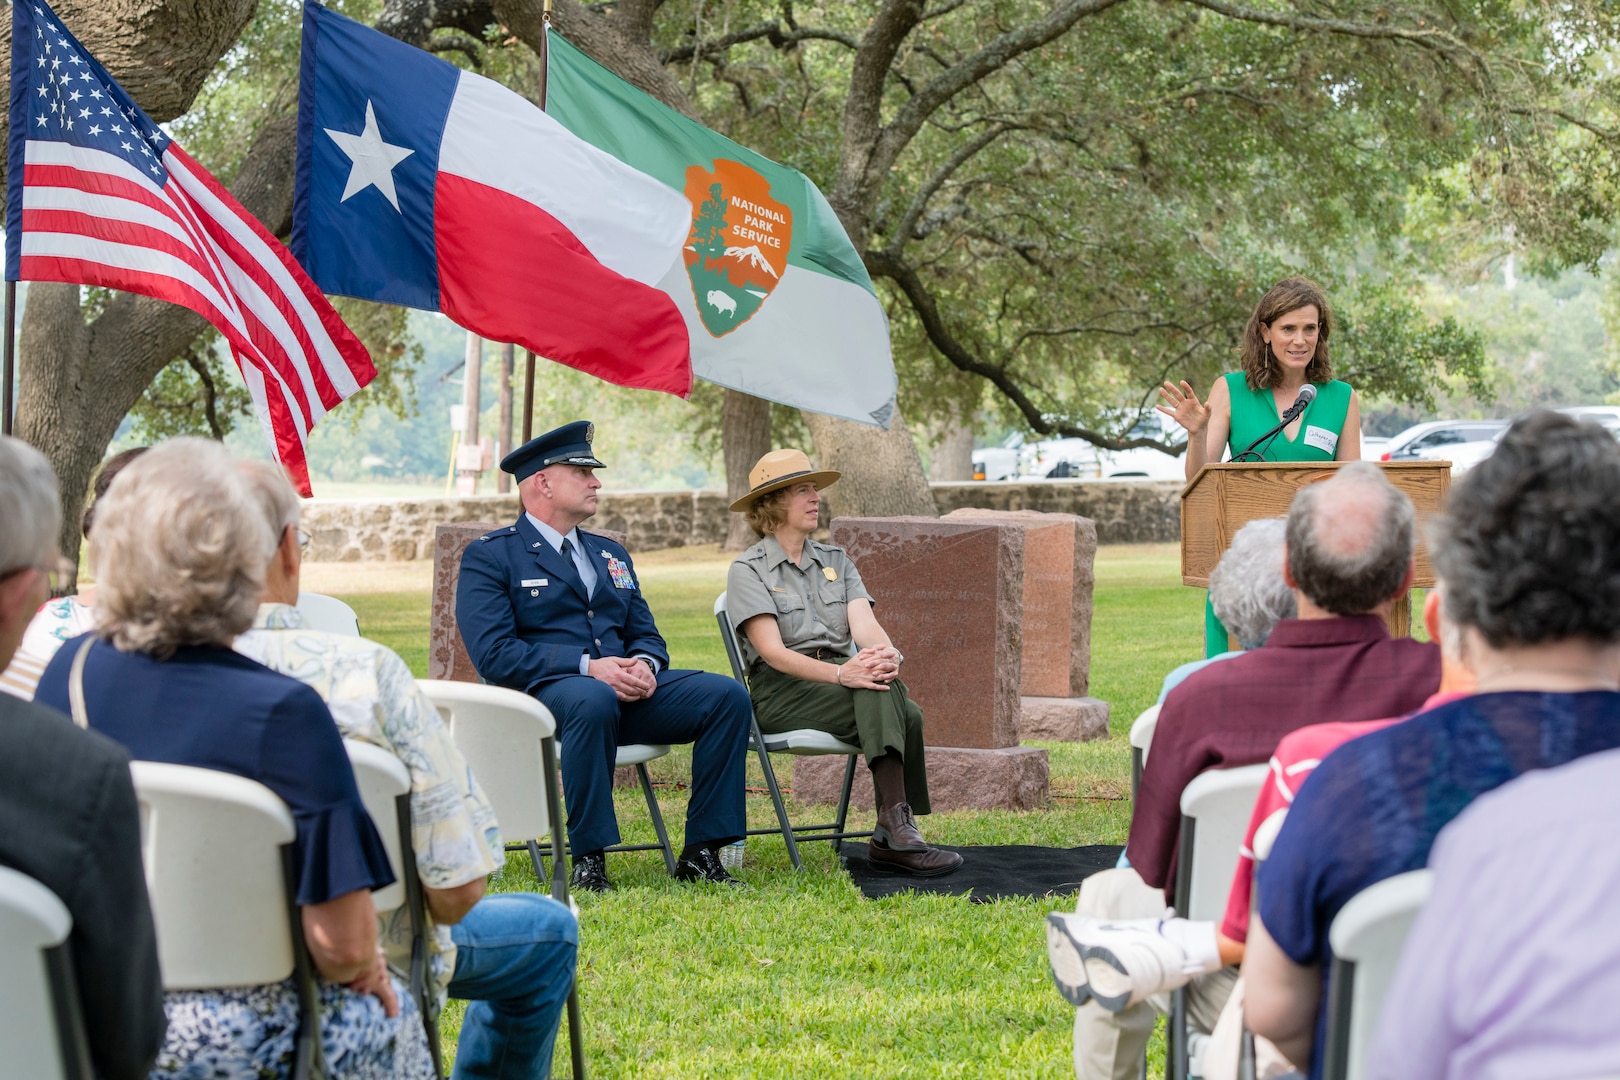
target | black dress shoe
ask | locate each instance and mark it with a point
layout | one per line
(590, 874)
(704, 865)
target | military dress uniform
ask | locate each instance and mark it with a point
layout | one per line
(810, 602)
(530, 623)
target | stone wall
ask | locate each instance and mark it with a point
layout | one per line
(345, 530)
(1126, 511)
(354, 530)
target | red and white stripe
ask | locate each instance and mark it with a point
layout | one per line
(90, 217)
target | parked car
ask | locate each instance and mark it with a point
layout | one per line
(1412, 443)
(1067, 458)
(1463, 456)
(1373, 447)
(999, 462)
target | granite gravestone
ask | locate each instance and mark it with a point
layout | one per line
(1059, 550)
(950, 594)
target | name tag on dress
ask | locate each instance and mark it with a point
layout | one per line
(1322, 439)
(534, 582)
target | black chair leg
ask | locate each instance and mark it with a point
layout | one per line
(843, 803)
(1176, 1049)
(539, 867)
(657, 817)
(775, 789)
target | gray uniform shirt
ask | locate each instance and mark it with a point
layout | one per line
(810, 602)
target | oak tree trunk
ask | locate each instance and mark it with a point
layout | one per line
(953, 455)
(887, 473)
(745, 432)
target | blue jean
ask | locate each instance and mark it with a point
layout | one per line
(514, 966)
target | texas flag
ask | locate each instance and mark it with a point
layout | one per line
(427, 186)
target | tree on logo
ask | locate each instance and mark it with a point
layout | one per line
(708, 229)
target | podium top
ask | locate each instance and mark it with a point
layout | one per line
(1225, 496)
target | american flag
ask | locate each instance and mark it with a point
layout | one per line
(99, 195)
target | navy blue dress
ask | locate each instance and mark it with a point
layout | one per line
(215, 709)
(212, 708)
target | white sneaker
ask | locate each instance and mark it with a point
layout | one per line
(1125, 961)
(1068, 968)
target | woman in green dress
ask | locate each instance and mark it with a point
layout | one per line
(1285, 346)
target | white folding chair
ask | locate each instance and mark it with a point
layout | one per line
(385, 788)
(1215, 811)
(1142, 729)
(328, 613)
(508, 740)
(223, 885)
(41, 1019)
(802, 742)
(502, 734)
(1366, 938)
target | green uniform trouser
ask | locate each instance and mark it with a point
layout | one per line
(879, 721)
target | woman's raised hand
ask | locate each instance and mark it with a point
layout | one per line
(1182, 406)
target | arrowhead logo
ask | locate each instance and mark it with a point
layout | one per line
(737, 252)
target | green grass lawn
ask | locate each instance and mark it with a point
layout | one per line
(800, 976)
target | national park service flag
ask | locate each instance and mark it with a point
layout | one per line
(776, 301)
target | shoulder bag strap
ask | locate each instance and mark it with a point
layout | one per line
(76, 682)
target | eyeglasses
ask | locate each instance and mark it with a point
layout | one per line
(304, 540)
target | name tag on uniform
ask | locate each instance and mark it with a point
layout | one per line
(534, 582)
(1322, 439)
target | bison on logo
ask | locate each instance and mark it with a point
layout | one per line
(738, 249)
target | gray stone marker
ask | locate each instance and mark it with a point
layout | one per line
(950, 594)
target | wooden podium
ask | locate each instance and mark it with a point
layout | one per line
(1224, 497)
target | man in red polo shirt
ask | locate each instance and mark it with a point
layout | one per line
(1349, 559)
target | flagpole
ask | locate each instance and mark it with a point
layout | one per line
(9, 364)
(528, 354)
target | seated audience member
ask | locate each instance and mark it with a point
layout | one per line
(65, 616)
(1349, 545)
(511, 955)
(555, 611)
(1528, 561)
(1249, 593)
(1141, 957)
(68, 817)
(817, 657)
(1531, 864)
(181, 547)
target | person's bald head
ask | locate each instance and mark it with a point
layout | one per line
(1350, 541)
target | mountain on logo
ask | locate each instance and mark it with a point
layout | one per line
(751, 258)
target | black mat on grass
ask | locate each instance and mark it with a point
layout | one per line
(990, 873)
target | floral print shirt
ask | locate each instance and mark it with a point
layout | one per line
(55, 622)
(374, 699)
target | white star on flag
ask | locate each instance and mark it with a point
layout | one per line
(373, 160)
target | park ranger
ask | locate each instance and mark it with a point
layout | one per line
(817, 657)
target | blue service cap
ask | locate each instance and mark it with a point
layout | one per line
(567, 445)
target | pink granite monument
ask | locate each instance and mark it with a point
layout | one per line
(447, 656)
(950, 594)
(1059, 550)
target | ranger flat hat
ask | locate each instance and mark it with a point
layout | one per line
(567, 445)
(779, 469)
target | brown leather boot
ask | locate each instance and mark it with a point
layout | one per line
(896, 829)
(929, 862)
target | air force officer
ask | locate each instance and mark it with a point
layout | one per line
(554, 611)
